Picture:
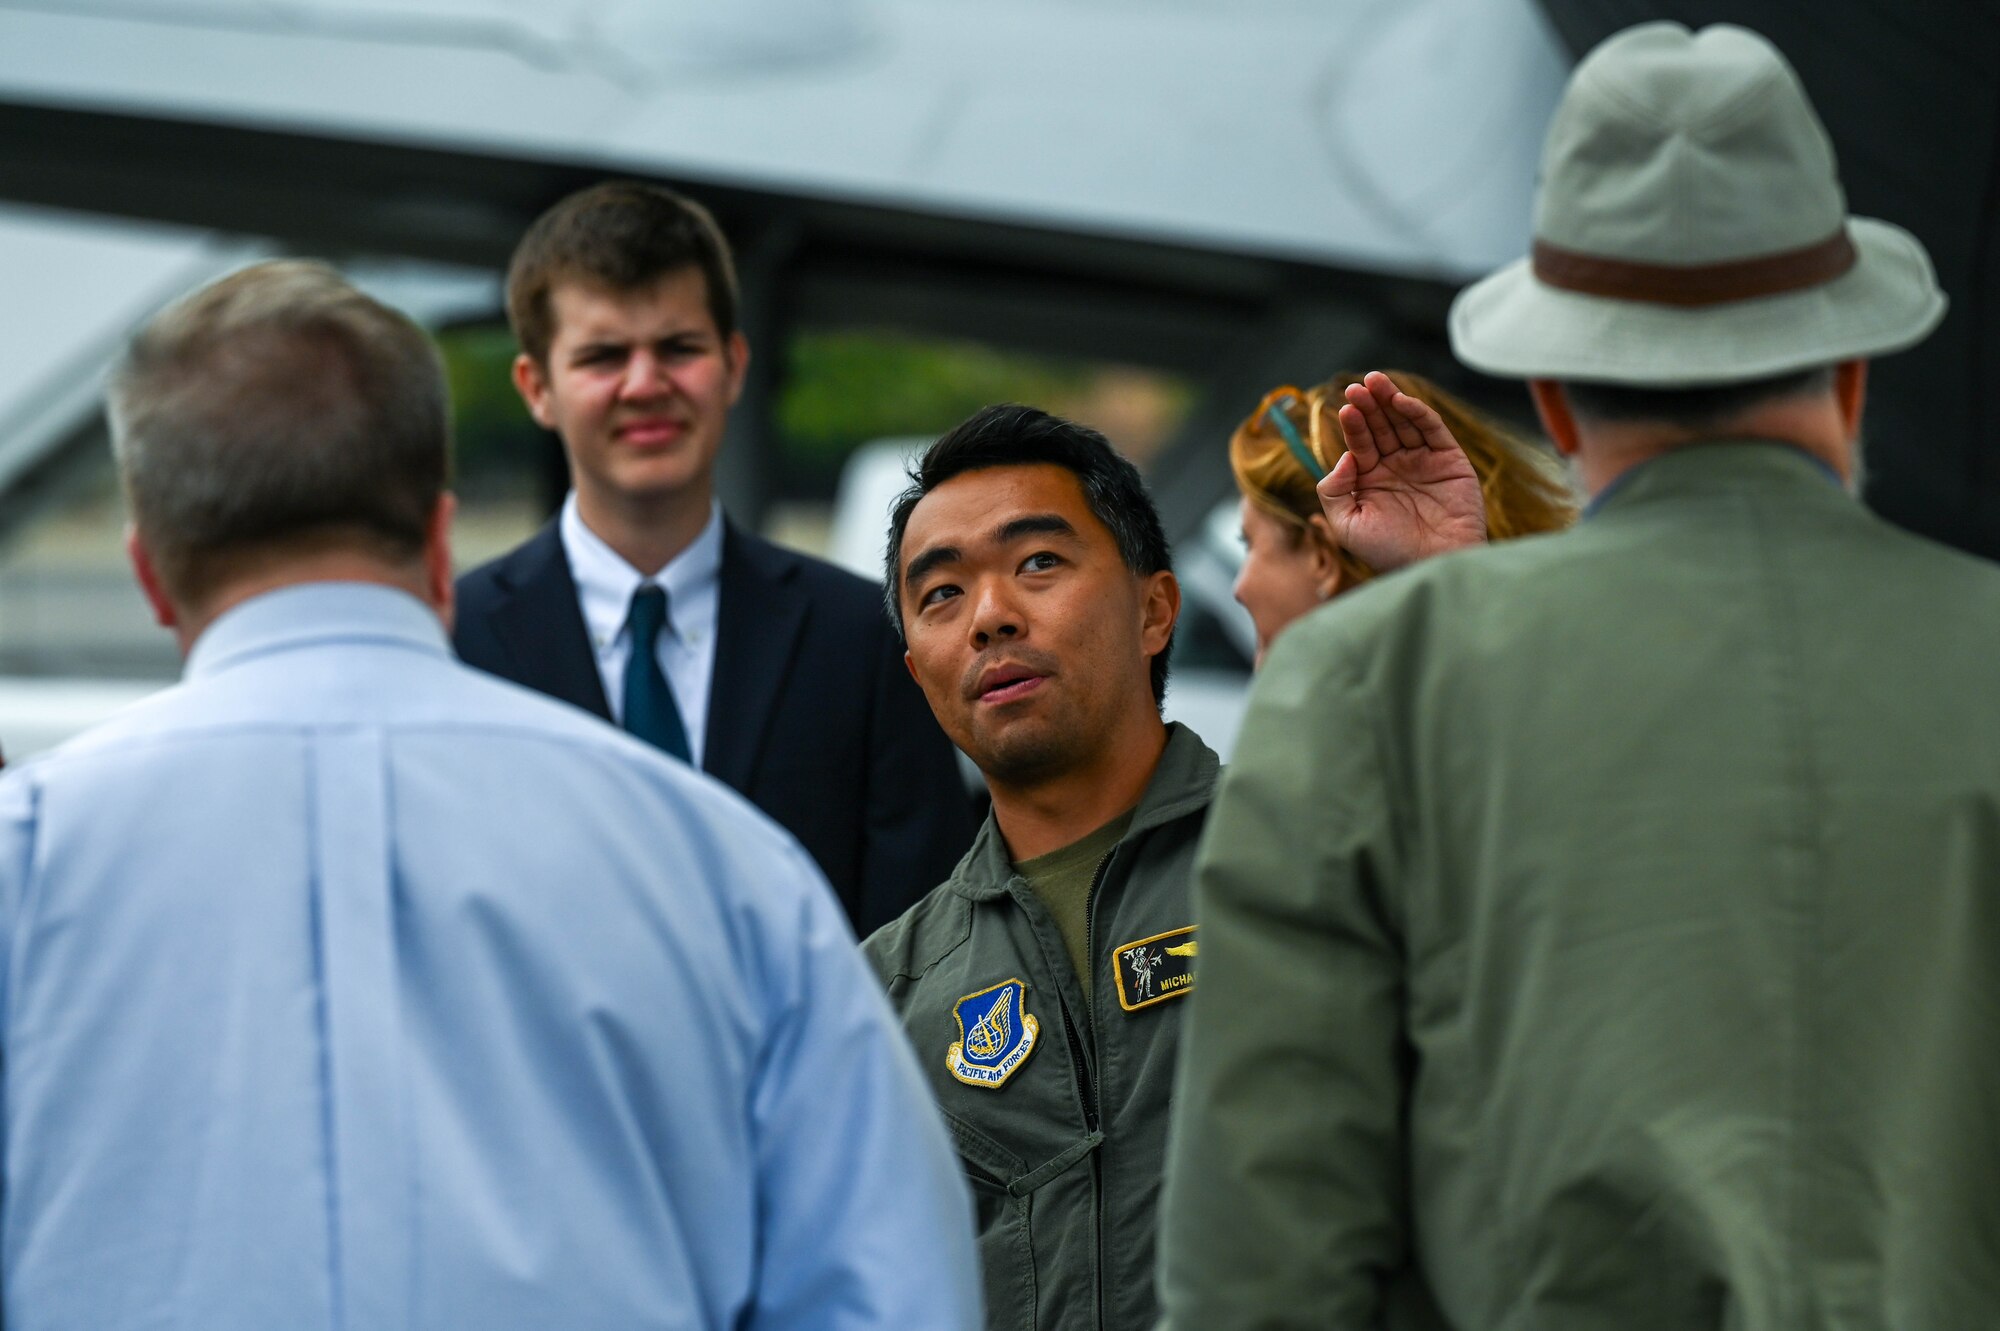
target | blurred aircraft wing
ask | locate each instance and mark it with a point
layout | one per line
(1387, 136)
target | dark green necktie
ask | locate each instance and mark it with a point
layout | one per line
(649, 704)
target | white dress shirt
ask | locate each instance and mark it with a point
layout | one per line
(692, 581)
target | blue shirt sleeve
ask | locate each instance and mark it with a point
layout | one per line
(864, 1216)
(17, 841)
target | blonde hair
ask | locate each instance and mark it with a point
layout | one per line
(1524, 490)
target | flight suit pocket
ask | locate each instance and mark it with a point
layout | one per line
(1004, 1195)
(1006, 1255)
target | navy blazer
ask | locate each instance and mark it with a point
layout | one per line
(811, 715)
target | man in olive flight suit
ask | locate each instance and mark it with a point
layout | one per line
(1041, 984)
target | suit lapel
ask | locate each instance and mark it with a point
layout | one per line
(540, 624)
(761, 615)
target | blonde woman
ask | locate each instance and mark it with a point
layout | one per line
(1364, 474)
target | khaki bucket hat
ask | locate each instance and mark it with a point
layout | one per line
(1690, 229)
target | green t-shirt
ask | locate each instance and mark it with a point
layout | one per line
(1062, 880)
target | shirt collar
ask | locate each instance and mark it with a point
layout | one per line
(605, 582)
(316, 612)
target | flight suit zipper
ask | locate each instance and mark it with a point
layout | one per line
(1083, 1078)
(1090, 1112)
(1084, 1087)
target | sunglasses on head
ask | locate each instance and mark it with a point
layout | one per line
(1273, 409)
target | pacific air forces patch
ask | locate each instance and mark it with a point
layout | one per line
(996, 1035)
(1152, 970)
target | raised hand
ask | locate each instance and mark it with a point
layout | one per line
(1404, 490)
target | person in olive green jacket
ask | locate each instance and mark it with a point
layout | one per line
(1600, 930)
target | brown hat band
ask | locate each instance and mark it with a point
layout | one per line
(1695, 284)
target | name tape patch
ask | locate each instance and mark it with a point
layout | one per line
(1152, 970)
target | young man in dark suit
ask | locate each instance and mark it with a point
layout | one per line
(776, 673)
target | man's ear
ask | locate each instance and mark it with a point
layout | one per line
(737, 351)
(164, 612)
(1159, 611)
(1558, 420)
(532, 383)
(1850, 388)
(438, 582)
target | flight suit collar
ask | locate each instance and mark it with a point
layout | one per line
(1183, 782)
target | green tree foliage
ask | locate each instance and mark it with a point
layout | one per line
(838, 390)
(842, 389)
(493, 432)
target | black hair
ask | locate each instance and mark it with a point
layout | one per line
(1010, 435)
(1690, 408)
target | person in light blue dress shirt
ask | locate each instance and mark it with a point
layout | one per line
(344, 986)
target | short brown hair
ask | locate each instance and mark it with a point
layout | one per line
(275, 409)
(622, 235)
(1524, 491)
